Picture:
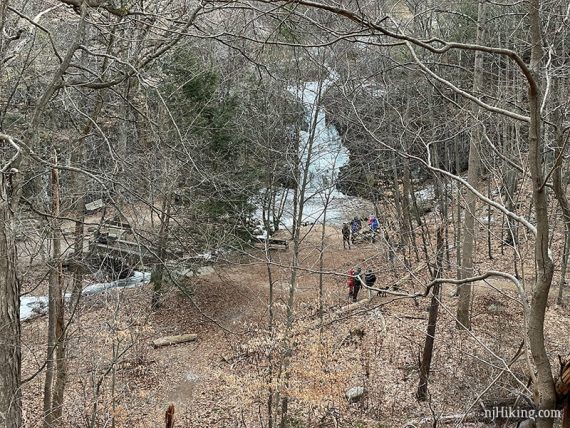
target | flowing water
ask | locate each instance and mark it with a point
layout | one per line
(324, 154)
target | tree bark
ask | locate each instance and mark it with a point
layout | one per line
(457, 227)
(465, 290)
(404, 237)
(545, 393)
(174, 340)
(10, 357)
(302, 180)
(422, 392)
(157, 274)
(406, 211)
(560, 193)
(55, 365)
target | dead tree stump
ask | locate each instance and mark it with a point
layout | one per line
(169, 416)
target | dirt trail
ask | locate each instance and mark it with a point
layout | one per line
(219, 379)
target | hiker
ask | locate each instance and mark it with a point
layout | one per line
(373, 223)
(345, 235)
(354, 283)
(369, 278)
(358, 223)
(355, 226)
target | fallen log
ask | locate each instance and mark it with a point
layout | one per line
(93, 207)
(174, 340)
(353, 305)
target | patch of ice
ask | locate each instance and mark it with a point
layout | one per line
(486, 220)
(426, 194)
(31, 306)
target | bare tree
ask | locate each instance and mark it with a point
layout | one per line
(464, 305)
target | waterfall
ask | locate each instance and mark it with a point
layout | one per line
(327, 155)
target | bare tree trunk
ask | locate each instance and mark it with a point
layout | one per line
(404, 237)
(55, 365)
(545, 393)
(564, 267)
(10, 357)
(80, 187)
(489, 247)
(560, 192)
(457, 227)
(465, 290)
(445, 208)
(321, 268)
(268, 203)
(406, 211)
(422, 392)
(157, 274)
(424, 231)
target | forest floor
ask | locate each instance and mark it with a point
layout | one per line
(223, 378)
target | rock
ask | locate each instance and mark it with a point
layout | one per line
(191, 377)
(205, 270)
(355, 394)
(91, 207)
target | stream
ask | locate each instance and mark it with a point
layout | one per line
(33, 306)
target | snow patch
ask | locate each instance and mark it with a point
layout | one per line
(34, 306)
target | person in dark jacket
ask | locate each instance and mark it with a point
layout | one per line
(345, 235)
(355, 226)
(369, 278)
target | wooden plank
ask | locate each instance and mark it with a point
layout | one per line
(124, 250)
(121, 224)
(173, 340)
(129, 248)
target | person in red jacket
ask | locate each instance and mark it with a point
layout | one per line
(354, 283)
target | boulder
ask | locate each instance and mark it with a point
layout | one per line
(355, 394)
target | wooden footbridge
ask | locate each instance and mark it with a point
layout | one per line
(114, 246)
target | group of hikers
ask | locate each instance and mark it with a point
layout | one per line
(355, 281)
(350, 231)
(356, 278)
